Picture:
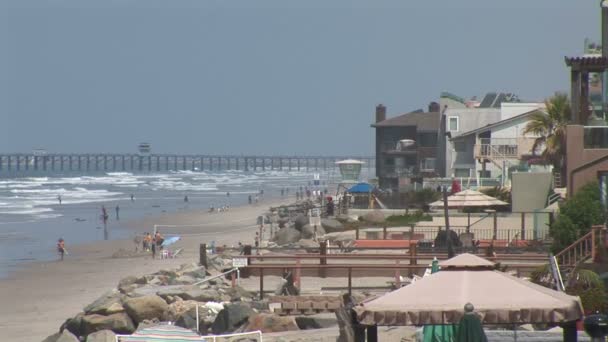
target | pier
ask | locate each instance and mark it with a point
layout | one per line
(23, 163)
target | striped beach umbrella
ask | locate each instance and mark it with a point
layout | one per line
(162, 333)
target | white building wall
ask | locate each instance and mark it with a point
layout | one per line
(509, 110)
(468, 120)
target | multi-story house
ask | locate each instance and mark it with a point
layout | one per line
(469, 127)
(494, 150)
(407, 146)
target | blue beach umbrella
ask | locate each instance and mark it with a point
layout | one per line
(438, 333)
(170, 240)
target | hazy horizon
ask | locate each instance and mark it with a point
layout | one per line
(264, 77)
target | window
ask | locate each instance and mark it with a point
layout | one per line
(428, 164)
(427, 139)
(462, 173)
(452, 124)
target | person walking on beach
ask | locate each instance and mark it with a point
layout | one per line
(59, 199)
(153, 247)
(147, 242)
(186, 198)
(249, 199)
(117, 212)
(61, 248)
(104, 214)
(132, 198)
(137, 240)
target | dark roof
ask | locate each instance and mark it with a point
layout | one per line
(496, 124)
(424, 121)
(494, 100)
(587, 63)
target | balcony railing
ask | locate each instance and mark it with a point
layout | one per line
(503, 148)
(596, 137)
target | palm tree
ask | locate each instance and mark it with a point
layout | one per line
(550, 127)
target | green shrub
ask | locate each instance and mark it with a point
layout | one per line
(576, 216)
(407, 219)
(589, 287)
(498, 192)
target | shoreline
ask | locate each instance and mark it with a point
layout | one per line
(40, 295)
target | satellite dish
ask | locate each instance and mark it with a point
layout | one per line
(404, 144)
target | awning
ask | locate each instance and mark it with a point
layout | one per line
(361, 188)
(469, 198)
(498, 297)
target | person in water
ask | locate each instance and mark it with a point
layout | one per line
(61, 248)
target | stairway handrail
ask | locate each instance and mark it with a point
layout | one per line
(575, 244)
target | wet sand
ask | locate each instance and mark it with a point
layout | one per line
(37, 298)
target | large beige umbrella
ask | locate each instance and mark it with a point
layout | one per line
(499, 298)
(469, 198)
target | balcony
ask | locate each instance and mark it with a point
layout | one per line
(596, 137)
(503, 148)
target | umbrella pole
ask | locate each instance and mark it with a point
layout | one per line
(447, 223)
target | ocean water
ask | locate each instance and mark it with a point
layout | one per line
(31, 218)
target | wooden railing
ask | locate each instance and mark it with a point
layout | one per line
(582, 249)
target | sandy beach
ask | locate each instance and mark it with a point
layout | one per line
(38, 297)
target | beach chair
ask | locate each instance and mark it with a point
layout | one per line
(177, 252)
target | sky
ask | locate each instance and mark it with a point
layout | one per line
(265, 77)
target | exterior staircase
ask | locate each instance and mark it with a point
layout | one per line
(583, 249)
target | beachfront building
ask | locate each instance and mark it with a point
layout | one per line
(407, 146)
(587, 136)
(495, 150)
(486, 139)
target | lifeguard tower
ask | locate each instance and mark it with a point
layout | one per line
(144, 149)
(350, 172)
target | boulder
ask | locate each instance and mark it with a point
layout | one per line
(197, 272)
(178, 308)
(146, 307)
(119, 323)
(74, 325)
(300, 221)
(62, 336)
(308, 244)
(173, 291)
(347, 218)
(308, 232)
(102, 336)
(375, 216)
(184, 280)
(231, 317)
(286, 236)
(109, 303)
(127, 281)
(238, 294)
(143, 280)
(332, 225)
(127, 289)
(270, 323)
(316, 322)
(206, 317)
(201, 295)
